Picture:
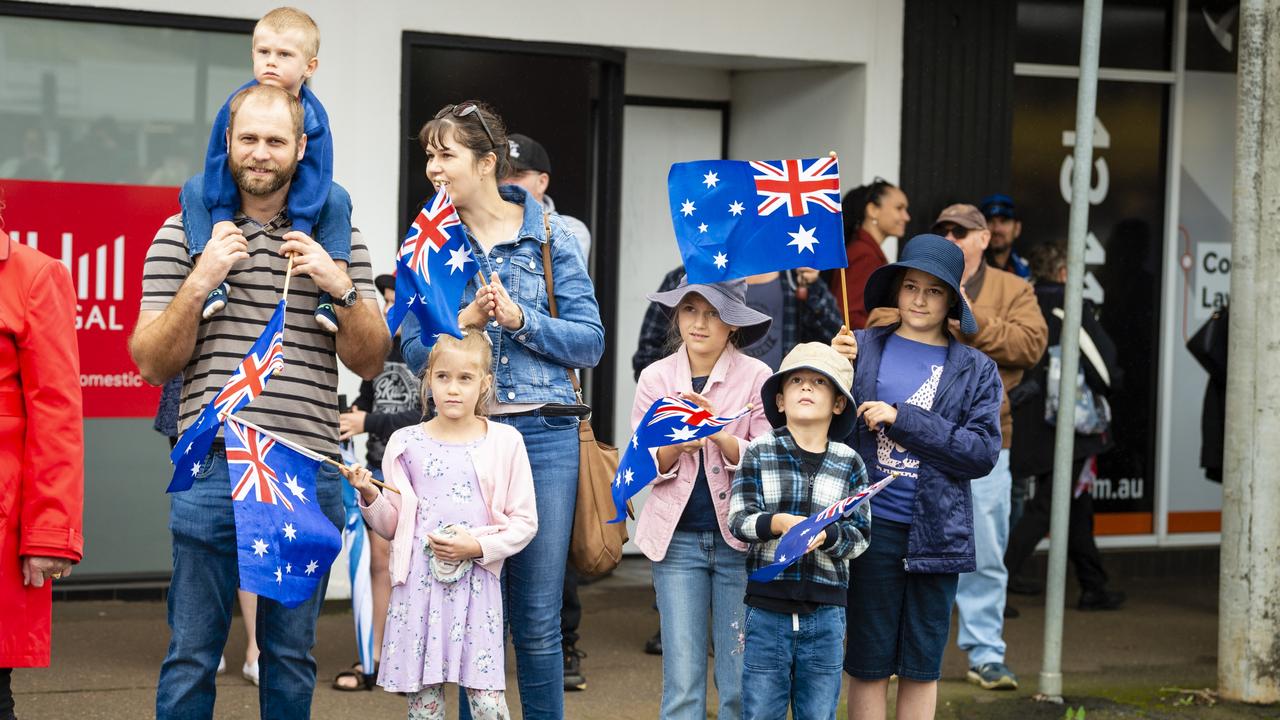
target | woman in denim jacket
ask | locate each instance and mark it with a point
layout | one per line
(466, 148)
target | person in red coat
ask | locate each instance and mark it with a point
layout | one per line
(41, 452)
(872, 213)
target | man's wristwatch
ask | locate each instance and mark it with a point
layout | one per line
(349, 298)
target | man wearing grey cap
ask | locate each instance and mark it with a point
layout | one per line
(1011, 331)
(531, 170)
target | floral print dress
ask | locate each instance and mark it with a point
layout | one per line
(443, 632)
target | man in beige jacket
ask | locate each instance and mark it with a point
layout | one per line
(1012, 331)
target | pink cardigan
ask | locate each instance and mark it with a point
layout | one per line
(506, 486)
(735, 380)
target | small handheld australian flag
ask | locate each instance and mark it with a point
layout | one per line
(265, 357)
(284, 542)
(795, 542)
(432, 270)
(734, 218)
(668, 421)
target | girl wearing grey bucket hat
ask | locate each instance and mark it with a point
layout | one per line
(929, 412)
(683, 527)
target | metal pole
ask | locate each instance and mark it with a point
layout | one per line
(1064, 439)
(1249, 587)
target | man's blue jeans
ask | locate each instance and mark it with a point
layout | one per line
(700, 585)
(203, 592)
(980, 595)
(793, 660)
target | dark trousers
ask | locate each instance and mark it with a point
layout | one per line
(6, 694)
(1034, 525)
(570, 608)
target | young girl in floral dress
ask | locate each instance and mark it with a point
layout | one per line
(465, 503)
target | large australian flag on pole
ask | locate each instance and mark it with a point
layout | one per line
(284, 542)
(265, 358)
(668, 421)
(734, 218)
(432, 269)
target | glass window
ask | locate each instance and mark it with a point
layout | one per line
(95, 102)
(1136, 34)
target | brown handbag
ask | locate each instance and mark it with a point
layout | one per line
(595, 547)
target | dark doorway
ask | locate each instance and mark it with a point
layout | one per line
(567, 97)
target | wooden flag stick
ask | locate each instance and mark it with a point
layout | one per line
(304, 451)
(844, 298)
(288, 273)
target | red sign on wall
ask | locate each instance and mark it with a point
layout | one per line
(101, 233)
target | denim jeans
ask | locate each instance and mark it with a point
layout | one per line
(332, 229)
(980, 595)
(533, 579)
(793, 660)
(203, 592)
(700, 579)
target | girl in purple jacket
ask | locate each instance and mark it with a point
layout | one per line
(929, 411)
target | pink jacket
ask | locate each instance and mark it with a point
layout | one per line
(734, 381)
(506, 485)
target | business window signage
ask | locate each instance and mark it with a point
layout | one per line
(101, 233)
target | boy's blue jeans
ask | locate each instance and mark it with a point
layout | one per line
(203, 592)
(793, 660)
(332, 230)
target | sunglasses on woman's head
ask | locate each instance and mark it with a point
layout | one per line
(464, 109)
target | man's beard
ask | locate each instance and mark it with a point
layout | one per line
(265, 185)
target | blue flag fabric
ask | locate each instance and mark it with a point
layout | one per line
(735, 218)
(795, 542)
(668, 421)
(355, 540)
(284, 542)
(264, 358)
(432, 269)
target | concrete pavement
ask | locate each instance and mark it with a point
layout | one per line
(107, 657)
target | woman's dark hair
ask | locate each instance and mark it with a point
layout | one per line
(480, 130)
(1046, 261)
(854, 204)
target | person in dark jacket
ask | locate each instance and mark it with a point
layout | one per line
(1032, 455)
(930, 413)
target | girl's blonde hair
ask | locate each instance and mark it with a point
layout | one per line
(478, 344)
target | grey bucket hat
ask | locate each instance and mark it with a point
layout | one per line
(729, 298)
(820, 358)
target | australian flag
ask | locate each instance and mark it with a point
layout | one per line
(669, 421)
(432, 269)
(264, 358)
(284, 543)
(795, 542)
(734, 218)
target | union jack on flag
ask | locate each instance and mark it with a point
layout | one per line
(247, 381)
(668, 421)
(727, 220)
(796, 184)
(432, 269)
(795, 542)
(248, 448)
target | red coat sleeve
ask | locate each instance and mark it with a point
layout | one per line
(862, 262)
(53, 463)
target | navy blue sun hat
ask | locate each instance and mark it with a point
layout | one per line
(929, 253)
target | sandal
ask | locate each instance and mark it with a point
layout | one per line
(362, 680)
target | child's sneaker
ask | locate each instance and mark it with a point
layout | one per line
(216, 301)
(324, 314)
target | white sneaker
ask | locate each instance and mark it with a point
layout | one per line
(250, 672)
(222, 664)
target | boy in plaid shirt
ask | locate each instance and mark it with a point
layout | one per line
(796, 623)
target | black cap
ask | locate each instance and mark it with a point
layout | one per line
(528, 154)
(385, 282)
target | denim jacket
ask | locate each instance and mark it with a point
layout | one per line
(957, 440)
(529, 363)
